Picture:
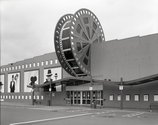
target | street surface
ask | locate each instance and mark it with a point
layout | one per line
(15, 114)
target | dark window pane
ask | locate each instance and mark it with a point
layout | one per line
(72, 63)
(66, 44)
(78, 46)
(85, 61)
(68, 55)
(66, 33)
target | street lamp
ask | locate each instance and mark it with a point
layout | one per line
(91, 90)
(121, 90)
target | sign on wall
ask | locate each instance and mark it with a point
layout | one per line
(55, 73)
(1, 83)
(27, 79)
(14, 82)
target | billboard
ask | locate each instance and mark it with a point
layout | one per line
(2, 83)
(14, 82)
(55, 73)
(27, 79)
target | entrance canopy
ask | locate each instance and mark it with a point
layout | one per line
(72, 81)
(67, 81)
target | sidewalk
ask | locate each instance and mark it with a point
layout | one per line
(45, 107)
(57, 108)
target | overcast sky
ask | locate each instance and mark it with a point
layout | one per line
(27, 26)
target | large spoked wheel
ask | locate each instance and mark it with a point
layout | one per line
(85, 30)
(74, 35)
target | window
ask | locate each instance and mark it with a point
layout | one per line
(29, 96)
(51, 62)
(42, 97)
(34, 64)
(146, 98)
(12, 68)
(42, 63)
(155, 98)
(46, 62)
(19, 97)
(127, 97)
(16, 97)
(118, 97)
(56, 61)
(26, 66)
(6, 69)
(136, 97)
(22, 97)
(12, 97)
(38, 64)
(9, 68)
(26, 97)
(23, 66)
(30, 65)
(16, 67)
(6, 97)
(19, 67)
(111, 97)
(37, 96)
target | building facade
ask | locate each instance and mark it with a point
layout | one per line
(134, 60)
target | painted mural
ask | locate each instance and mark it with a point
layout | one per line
(14, 82)
(53, 74)
(30, 76)
(2, 83)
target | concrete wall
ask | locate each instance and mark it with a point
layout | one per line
(129, 58)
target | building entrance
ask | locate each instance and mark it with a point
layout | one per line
(84, 97)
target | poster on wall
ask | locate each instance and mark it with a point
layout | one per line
(28, 75)
(14, 82)
(55, 74)
(2, 83)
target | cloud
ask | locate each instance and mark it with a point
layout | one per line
(27, 26)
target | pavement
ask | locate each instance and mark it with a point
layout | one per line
(22, 114)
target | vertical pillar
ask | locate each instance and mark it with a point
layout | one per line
(73, 97)
(81, 97)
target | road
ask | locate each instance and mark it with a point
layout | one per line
(34, 115)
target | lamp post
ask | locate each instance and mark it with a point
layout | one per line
(91, 90)
(33, 95)
(121, 90)
(50, 93)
